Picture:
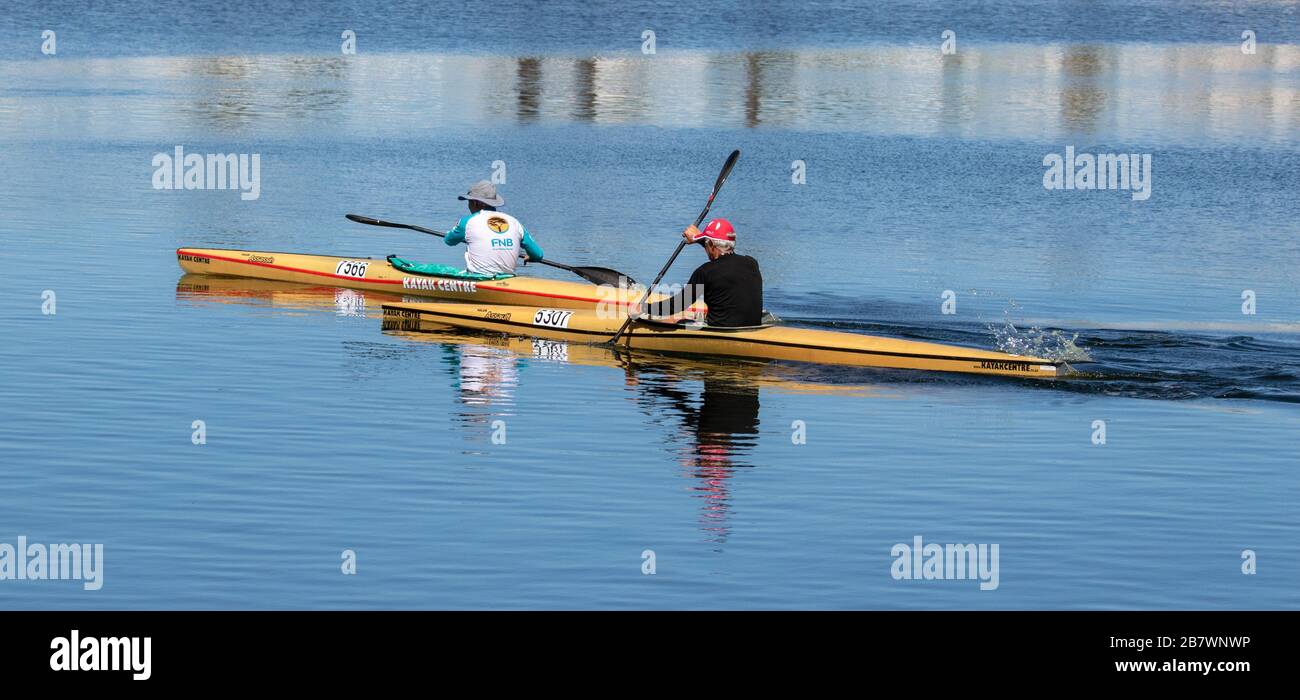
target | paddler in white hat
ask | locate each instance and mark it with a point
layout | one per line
(493, 239)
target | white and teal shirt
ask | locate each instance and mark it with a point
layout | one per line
(493, 241)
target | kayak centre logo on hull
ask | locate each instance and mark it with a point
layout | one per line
(214, 171)
(439, 284)
(931, 562)
(1007, 366)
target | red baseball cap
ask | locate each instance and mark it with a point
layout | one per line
(718, 230)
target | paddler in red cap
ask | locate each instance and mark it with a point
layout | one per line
(730, 283)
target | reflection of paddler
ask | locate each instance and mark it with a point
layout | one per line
(484, 375)
(728, 404)
(723, 426)
(727, 409)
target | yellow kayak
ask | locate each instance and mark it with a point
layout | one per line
(771, 342)
(376, 274)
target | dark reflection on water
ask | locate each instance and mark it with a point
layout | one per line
(955, 109)
(716, 430)
(528, 75)
(724, 430)
(753, 89)
(584, 91)
(1083, 100)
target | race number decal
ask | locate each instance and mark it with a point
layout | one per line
(351, 268)
(552, 318)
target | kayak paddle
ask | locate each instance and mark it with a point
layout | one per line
(722, 177)
(596, 275)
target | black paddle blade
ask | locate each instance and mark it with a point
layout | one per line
(365, 220)
(603, 275)
(726, 169)
(717, 186)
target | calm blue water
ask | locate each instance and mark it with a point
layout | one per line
(924, 175)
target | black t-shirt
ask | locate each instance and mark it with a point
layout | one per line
(733, 290)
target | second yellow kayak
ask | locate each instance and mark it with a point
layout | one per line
(775, 342)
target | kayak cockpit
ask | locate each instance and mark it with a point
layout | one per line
(696, 324)
(411, 267)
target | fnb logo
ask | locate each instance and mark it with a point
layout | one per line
(503, 242)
